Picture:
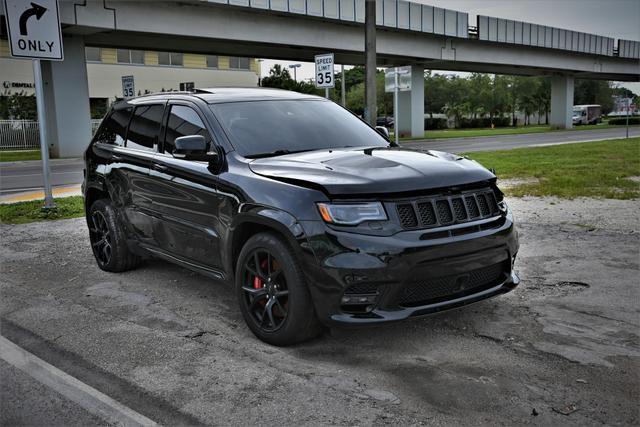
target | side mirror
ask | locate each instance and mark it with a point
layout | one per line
(383, 131)
(193, 147)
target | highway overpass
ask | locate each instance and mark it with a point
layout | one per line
(408, 33)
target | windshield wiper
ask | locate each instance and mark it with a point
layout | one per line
(273, 154)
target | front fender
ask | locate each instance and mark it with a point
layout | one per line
(252, 216)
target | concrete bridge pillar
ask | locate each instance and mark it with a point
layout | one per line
(411, 106)
(66, 93)
(561, 102)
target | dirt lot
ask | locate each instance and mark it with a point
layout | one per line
(563, 348)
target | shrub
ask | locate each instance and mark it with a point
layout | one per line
(435, 123)
(623, 121)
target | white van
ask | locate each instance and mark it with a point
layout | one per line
(586, 114)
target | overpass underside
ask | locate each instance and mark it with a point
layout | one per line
(212, 28)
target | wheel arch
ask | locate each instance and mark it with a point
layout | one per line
(259, 220)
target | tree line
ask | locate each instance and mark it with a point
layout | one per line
(478, 95)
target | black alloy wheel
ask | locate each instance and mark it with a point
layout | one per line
(272, 291)
(100, 238)
(265, 287)
(108, 239)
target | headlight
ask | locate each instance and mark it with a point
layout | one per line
(351, 213)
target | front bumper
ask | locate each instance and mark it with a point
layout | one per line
(393, 263)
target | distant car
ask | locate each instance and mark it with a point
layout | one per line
(385, 121)
(311, 214)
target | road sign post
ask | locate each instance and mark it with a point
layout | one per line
(34, 32)
(396, 80)
(324, 72)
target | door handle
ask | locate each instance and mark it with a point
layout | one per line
(116, 158)
(158, 167)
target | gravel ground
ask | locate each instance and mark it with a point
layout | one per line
(563, 348)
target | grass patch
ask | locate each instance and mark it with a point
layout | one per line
(588, 169)
(23, 212)
(470, 133)
(14, 156)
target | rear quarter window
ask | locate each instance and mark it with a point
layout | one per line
(114, 128)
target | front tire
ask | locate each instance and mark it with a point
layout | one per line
(108, 240)
(273, 295)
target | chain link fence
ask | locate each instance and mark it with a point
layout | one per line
(25, 134)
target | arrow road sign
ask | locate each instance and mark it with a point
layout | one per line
(36, 10)
(34, 29)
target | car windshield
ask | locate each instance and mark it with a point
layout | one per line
(275, 127)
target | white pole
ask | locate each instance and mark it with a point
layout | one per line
(42, 125)
(628, 99)
(343, 86)
(396, 130)
(326, 92)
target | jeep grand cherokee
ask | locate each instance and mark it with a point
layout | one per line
(313, 216)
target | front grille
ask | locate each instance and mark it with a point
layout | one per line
(437, 289)
(440, 210)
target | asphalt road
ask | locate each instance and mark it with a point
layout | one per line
(16, 177)
(561, 349)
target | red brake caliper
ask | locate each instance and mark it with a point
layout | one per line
(257, 282)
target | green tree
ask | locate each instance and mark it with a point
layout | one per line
(281, 78)
(593, 92)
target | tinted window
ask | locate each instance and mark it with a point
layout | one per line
(238, 63)
(169, 58)
(114, 129)
(144, 127)
(92, 54)
(261, 127)
(212, 61)
(183, 121)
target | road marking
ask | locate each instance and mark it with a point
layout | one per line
(87, 397)
(39, 194)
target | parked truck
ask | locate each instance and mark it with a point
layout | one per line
(586, 114)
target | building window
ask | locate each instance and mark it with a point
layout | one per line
(170, 58)
(212, 61)
(128, 56)
(238, 63)
(92, 54)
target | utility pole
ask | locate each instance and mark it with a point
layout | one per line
(371, 105)
(343, 87)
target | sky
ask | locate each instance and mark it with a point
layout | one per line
(611, 18)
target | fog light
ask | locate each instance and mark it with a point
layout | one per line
(358, 299)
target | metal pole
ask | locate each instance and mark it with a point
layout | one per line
(326, 92)
(371, 105)
(396, 124)
(295, 74)
(342, 87)
(42, 125)
(628, 99)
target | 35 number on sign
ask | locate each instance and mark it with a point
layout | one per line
(325, 79)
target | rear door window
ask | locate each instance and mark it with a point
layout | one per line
(183, 121)
(114, 129)
(145, 127)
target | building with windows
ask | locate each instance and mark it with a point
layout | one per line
(153, 71)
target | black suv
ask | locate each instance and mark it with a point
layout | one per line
(311, 214)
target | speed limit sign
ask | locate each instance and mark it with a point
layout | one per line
(128, 87)
(324, 71)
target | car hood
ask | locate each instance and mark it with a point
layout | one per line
(372, 171)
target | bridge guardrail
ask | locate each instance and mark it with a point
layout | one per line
(401, 14)
(524, 33)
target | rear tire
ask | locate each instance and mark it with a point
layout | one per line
(108, 240)
(273, 295)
